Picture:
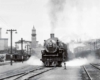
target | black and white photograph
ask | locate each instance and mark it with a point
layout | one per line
(49, 39)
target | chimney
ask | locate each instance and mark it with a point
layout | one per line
(0, 32)
(52, 35)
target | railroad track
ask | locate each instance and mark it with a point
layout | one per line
(6, 63)
(1, 64)
(15, 72)
(25, 74)
(32, 74)
(87, 73)
(92, 72)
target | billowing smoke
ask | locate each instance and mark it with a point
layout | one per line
(77, 62)
(56, 9)
(34, 61)
(81, 58)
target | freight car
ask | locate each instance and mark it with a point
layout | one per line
(55, 52)
(18, 56)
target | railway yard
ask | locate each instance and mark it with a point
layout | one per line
(83, 65)
(49, 40)
(24, 71)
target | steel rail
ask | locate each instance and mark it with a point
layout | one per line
(38, 74)
(27, 73)
(19, 74)
(2, 64)
(87, 73)
(95, 66)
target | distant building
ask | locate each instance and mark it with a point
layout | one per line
(3, 42)
(31, 44)
(34, 42)
(25, 44)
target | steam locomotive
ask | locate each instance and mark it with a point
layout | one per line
(54, 53)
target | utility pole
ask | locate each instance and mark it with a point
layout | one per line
(94, 46)
(15, 47)
(11, 31)
(30, 51)
(27, 48)
(22, 49)
(90, 46)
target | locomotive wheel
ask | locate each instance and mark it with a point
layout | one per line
(46, 63)
(59, 64)
(54, 63)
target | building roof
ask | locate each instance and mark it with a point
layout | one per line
(23, 41)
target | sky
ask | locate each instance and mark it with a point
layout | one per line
(68, 19)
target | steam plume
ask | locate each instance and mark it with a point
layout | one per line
(56, 9)
(34, 61)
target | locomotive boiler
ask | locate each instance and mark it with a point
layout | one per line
(54, 53)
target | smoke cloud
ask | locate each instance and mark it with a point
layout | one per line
(34, 61)
(75, 19)
(56, 8)
(80, 61)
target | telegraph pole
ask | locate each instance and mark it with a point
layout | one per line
(22, 48)
(15, 47)
(11, 31)
(30, 51)
(27, 48)
(94, 45)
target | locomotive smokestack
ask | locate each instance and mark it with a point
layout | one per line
(52, 35)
